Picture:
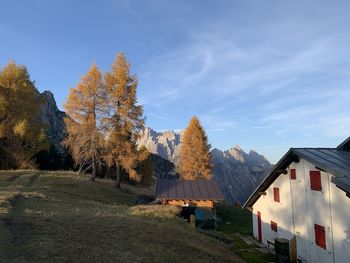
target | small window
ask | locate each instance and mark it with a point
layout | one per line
(276, 194)
(320, 236)
(293, 174)
(274, 226)
(315, 180)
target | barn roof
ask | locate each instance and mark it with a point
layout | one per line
(332, 160)
(188, 190)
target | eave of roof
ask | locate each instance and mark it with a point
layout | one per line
(343, 144)
(268, 179)
(331, 160)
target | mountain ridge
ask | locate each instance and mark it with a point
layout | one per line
(237, 172)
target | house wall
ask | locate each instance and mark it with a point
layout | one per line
(201, 203)
(340, 207)
(318, 211)
(274, 211)
(300, 208)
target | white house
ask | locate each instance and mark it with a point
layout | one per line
(306, 199)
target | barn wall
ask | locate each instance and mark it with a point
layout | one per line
(201, 203)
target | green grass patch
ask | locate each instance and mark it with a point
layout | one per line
(234, 220)
(236, 223)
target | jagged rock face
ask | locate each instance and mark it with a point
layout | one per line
(53, 119)
(165, 144)
(237, 172)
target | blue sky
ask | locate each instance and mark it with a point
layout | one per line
(267, 75)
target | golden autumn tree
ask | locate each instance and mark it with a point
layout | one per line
(21, 133)
(123, 121)
(195, 158)
(84, 109)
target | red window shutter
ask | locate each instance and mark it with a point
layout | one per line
(293, 174)
(320, 236)
(315, 180)
(276, 194)
(274, 226)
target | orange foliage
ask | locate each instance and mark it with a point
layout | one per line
(195, 158)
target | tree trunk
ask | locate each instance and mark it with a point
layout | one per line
(117, 180)
(93, 170)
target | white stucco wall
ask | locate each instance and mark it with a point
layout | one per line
(300, 208)
(274, 211)
(340, 207)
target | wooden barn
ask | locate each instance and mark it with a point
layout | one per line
(182, 193)
(305, 200)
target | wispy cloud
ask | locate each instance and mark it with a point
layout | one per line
(284, 76)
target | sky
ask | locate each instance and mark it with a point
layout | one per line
(266, 75)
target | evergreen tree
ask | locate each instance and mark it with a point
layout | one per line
(123, 121)
(145, 167)
(195, 158)
(21, 134)
(84, 108)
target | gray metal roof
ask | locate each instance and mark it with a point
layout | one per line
(332, 160)
(345, 145)
(188, 190)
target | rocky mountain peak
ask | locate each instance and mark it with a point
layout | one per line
(53, 118)
(165, 144)
(237, 153)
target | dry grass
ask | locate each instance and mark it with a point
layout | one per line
(158, 211)
(61, 217)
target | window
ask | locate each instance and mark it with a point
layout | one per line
(293, 174)
(320, 236)
(274, 226)
(315, 180)
(276, 194)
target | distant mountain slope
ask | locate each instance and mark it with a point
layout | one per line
(53, 119)
(237, 172)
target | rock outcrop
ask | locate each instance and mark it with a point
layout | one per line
(53, 119)
(165, 144)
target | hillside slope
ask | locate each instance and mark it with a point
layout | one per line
(59, 217)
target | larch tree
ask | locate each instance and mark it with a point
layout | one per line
(195, 157)
(21, 133)
(145, 167)
(123, 121)
(84, 108)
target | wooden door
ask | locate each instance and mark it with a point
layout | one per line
(259, 227)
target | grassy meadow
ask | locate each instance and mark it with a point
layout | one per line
(61, 217)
